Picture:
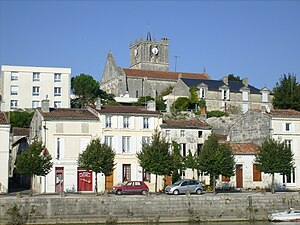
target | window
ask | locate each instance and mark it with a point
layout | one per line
(137, 94)
(183, 174)
(57, 91)
(13, 104)
(36, 91)
(256, 173)
(108, 140)
(145, 140)
(199, 147)
(202, 92)
(225, 179)
(35, 104)
(146, 122)
(125, 144)
(288, 126)
(183, 149)
(182, 133)
(225, 94)
(126, 173)
(146, 176)
(57, 104)
(58, 148)
(126, 122)
(36, 77)
(14, 76)
(57, 77)
(264, 96)
(245, 96)
(289, 178)
(14, 90)
(200, 134)
(288, 143)
(108, 121)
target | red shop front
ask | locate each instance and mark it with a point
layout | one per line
(85, 180)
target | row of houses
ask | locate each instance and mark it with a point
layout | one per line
(67, 132)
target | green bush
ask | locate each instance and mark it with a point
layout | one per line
(216, 113)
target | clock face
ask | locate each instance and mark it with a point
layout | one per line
(154, 50)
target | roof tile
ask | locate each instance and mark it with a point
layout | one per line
(244, 148)
(191, 123)
(68, 114)
(126, 109)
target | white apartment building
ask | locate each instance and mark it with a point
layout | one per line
(24, 87)
(4, 152)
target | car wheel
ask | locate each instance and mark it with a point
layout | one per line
(118, 192)
(176, 192)
(144, 192)
(199, 192)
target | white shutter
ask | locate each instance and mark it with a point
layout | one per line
(132, 122)
(133, 145)
(151, 123)
(114, 121)
(138, 143)
(264, 97)
(118, 143)
(119, 173)
(121, 118)
(62, 148)
(139, 172)
(83, 143)
(228, 94)
(134, 171)
(141, 122)
(103, 121)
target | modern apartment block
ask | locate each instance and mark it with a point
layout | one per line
(24, 87)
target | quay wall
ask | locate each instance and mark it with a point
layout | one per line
(148, 209)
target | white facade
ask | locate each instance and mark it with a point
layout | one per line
(286, 127)
(24, 87)
(4, 153)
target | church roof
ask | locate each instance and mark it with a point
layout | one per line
(164, 75)
(214, 85)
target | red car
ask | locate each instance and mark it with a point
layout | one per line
(131, 187)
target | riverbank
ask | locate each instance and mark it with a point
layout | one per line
(51, 209)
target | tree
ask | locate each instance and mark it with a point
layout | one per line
(143, 100)
(216, 159)
(98, 158)
(177, 161)
(85, 88)
(182, 103)
(155, 156)
(273, 157)
(191, 161)
(287, 93)
(36, 161)
(194, 99)
(232, 77)
(107, 99)
(20, 118)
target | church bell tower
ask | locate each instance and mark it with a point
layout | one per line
(150, 54)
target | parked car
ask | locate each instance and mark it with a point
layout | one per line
(131, 187)
(184, 186)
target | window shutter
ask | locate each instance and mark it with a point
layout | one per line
(141, 122)
(119, 173)
(139, 172)
(138, 143)
(114, 121)
(151, 123)
(118, 144)
(132, 122)
(133, 145)
(103, 121)
(134, 171)
(121, 118)
(83, 143)
(62, 148)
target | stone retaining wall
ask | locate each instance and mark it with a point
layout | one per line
(152, 208)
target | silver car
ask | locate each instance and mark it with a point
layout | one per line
(184, 186)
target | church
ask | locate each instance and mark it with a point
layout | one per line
(148, 73)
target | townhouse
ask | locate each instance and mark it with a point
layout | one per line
(4, 152)
(24, 87)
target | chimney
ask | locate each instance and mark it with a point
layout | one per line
(245, 81)
(225, 80)
(151, 105)
(98, 103)
(179, 76)
(45, 105)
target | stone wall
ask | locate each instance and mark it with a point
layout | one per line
(152, 208)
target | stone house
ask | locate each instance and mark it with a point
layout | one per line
(4, 152)
(223, 95)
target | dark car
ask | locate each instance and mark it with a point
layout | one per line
(131, 187)
(184, 186)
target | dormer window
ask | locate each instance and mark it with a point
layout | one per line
(264, 96)
(202, 93)
(225, 94)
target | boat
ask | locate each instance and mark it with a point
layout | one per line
(285, 216)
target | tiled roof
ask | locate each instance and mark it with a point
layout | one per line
(164, 75)
(214, 85)
(3, 118)
(285, 113)
(68, 114)
(244, 148)
(126, 109)
(191, 123)
(18, 131)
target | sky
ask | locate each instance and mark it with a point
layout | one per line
(259, 40)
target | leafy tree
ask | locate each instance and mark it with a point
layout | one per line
(20, 118)
(36, 161)
(232, 77)
(191, 161)
(287, 93)
(182, 103)
(274, 157)
(216, 113)
(98, 158)
(194, 99)
(177, 161)
(167, 90)
(176, 114)
(160, 104)
(143, 100)
(155, 156)
(85, 88)
(107, 99)
(216, 159)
